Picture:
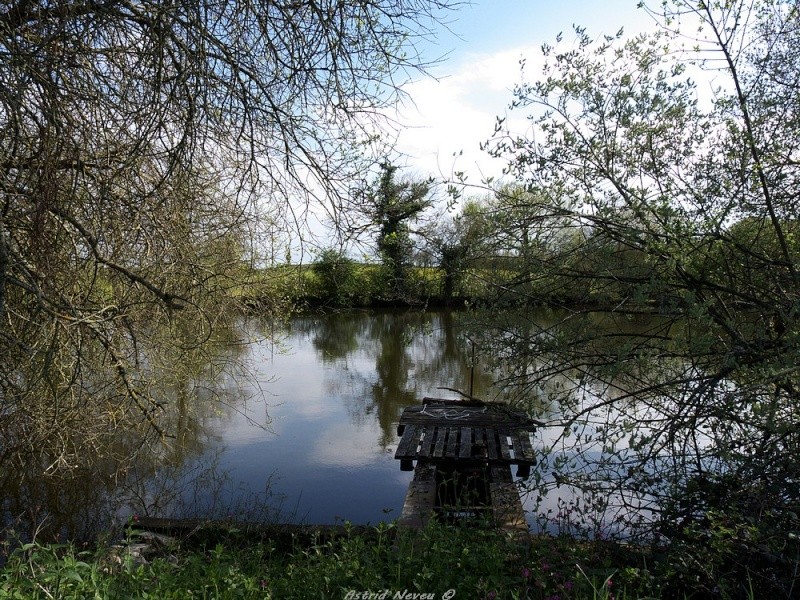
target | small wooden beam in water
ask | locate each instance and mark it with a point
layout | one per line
(288, 533)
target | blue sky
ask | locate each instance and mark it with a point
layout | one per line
(493, 25)
(456, 111)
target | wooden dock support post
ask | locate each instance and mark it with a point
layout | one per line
(420, 502)
(507, 510)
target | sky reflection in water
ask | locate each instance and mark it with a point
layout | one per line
(323, 446)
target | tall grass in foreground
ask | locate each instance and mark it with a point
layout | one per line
(438, 562)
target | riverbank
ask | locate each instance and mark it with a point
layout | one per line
(380, 562)
(365, 285)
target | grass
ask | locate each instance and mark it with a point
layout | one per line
(438, 562)
(362, 285)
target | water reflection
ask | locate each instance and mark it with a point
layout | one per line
(337, 396)
(297, 422)
(390, 360)
(113, 472)
(605, 458)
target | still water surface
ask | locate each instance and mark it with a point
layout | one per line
(296, 424)
(314, 440)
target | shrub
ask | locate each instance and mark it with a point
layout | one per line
(336, 274)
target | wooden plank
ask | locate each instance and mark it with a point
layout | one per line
(478, 443)
(505, 453)
(527, 449)
(441, 435)
(516, 446)
(452, 442)
(491, 443)
(507, 508)
(426, 444)
(286, 534)
(465, 448)
(420, 499)
(523, 451)
(407, 448)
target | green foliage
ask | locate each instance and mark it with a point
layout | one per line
(728, 537)
(337, 278)
(391, 206)
(460, 244)
(681, 206)
(36, 571)
(475, 563)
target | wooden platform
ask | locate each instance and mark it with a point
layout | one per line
(445, 430)
(464, 452)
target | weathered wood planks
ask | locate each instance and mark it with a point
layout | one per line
(449, 431)
(453, 437)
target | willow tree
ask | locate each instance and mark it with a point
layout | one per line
(138, 142)
(686, 198)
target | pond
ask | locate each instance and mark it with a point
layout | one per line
(319, 448)
(297, 424)
(300, 427)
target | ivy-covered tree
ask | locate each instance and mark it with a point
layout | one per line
(392, 206)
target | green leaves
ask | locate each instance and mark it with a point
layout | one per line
(683, 206)
(391, 207)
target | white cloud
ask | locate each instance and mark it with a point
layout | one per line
(457, 113)
(343, 445)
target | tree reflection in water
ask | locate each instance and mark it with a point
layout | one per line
(130, 468)
(413, 354)
(336, 393)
